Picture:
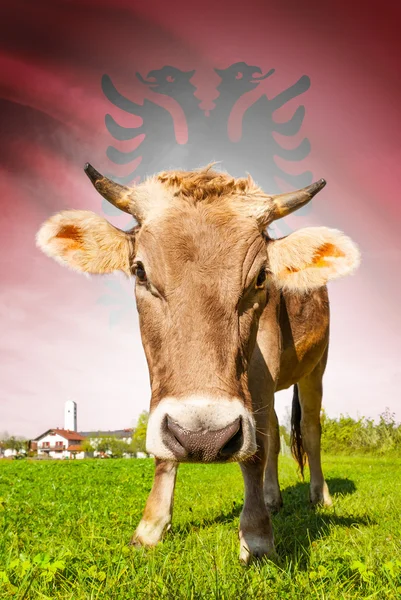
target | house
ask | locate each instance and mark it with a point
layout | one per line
(65, 443)
(59, 443)
(9, 452)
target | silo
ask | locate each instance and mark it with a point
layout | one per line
(70, 415)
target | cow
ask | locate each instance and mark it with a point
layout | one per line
(228, 316)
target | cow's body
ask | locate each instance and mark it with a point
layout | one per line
(228, 316)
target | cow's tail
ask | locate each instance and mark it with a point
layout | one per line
(297, 447)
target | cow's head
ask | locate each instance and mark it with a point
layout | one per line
(204, 268)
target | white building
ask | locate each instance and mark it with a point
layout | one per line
(9, 452)
(59, 443)
(70, 416)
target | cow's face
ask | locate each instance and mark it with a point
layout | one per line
(200, 289)
(203, 270)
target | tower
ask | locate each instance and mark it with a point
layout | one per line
(70, 415)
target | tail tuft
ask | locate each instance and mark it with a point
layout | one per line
(297, 448)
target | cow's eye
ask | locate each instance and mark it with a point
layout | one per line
(140, 273)
(261, 278)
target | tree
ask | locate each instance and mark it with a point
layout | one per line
(285, 435)
(87, 445)
(14, 443)
(138, 443)
(118, 447)
(102, 443)
(286, 421)
(109, 444)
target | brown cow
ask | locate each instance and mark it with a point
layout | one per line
(228, 316)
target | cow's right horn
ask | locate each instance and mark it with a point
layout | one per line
(120, 196)
(285, 204)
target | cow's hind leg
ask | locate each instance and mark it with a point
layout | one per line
(255, 532)
(310, 390)
(272, 492)
(159, 506)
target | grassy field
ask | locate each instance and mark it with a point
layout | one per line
(65, 527)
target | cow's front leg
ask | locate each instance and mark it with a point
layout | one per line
(255, 531)
(159, 506)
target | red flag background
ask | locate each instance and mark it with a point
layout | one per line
(65, 336)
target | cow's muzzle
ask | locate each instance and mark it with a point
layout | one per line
(203, 445)
(201, 429)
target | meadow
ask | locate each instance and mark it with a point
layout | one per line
(65, 528)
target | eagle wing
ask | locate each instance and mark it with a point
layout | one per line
(159, 149)
(260, 147)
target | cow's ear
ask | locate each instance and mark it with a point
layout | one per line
(307, 259)
(86, 242)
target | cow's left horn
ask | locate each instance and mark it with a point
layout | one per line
(120, 196)
(285, 204)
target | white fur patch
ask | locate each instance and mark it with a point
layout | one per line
(154, 197)
(307, 259)
(200, 412)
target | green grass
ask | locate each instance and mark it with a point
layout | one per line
(65, 528)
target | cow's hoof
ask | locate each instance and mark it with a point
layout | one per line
(321, 496)
(148, 534)
(136, 542)
(255, 546)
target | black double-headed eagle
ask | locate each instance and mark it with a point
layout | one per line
(255, 152)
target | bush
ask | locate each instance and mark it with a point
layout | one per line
(362, 435)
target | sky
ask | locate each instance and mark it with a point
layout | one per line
(64, 336)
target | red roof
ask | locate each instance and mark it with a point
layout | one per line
(75, 448)
(65, 433)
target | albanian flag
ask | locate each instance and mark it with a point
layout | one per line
(287, 92)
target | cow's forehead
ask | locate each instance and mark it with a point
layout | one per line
(212, 236)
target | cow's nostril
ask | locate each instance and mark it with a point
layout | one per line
(234, 444)
(179, 433)
(171, 438)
